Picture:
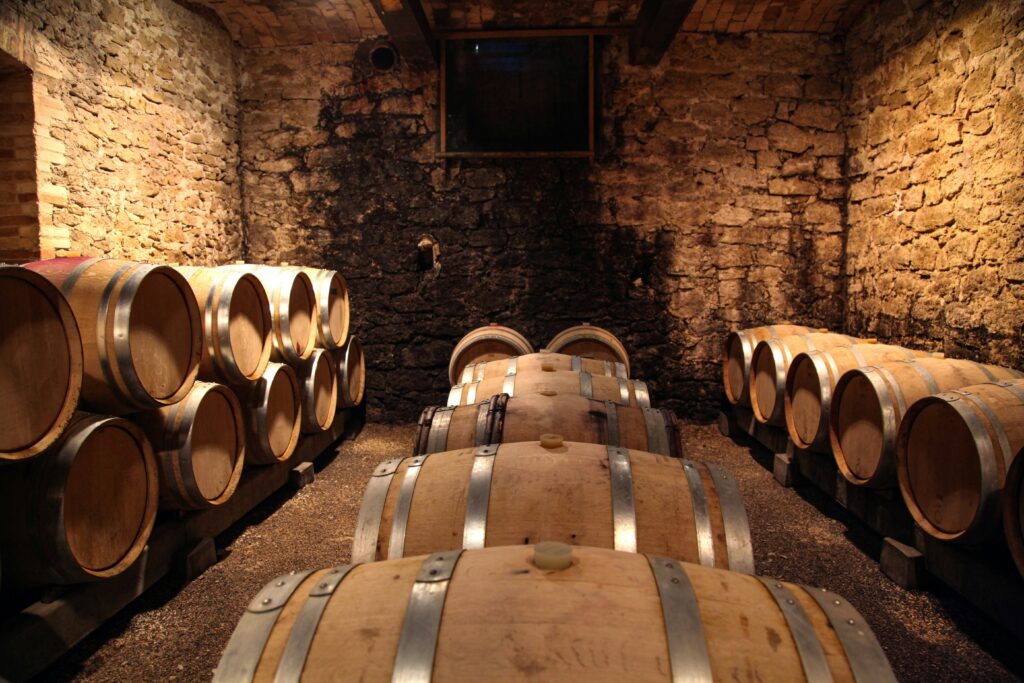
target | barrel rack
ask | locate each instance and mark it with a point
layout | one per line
(34, 637)
(986, 578)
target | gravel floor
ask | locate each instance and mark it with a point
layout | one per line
(177, 632)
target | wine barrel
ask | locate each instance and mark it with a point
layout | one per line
(810, 382)
(200, 445)
(332, 307)
(869, 403)
(738, 352)
(501, 419)
(491, 342)
(626, 392)
(770, 362)
(272, 410)
(953, 450)
(39, 347)
(589, 341)
(577, 493)
(318, 384)
(1013, 510)
(351, 365)
(84, 509)
(545, 361)
(292, 309)
(236, 321)
(548, 612)
(142, 335)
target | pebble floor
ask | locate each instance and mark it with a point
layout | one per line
(177, 631)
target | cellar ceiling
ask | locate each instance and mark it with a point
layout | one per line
(273, 23)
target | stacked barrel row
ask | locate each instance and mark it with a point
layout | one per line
(547, 525)
(946, 432)
(131, 387)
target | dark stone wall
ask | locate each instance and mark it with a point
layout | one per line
(714, 202)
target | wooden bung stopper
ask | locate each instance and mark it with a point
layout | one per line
(551, 440)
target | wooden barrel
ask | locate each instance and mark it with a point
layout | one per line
(292, 309)
(236, 320)
(548, 612)
(351, 364)
(589, 341)
(491, 342)
(554, 490)
(84, 509)
(39, 347)
(1013, 510)
(200, 445)
(272, 410)
(811, 379)
(318, 385)
(738, 352)
(953, 450)
(626, 392)
(332, 307)
(142, 335)
(770, 363)
(501, 419)
(545, 361)
(869, 403)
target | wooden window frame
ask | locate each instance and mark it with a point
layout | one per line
(524, 33)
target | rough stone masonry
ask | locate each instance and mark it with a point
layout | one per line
(936, 207)
(716, 199)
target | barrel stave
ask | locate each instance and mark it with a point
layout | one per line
(494, 615)
(484, 344)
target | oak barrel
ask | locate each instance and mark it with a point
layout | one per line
(738, 352)
(547, 612)
(953, 450)
(1013, 510)
(236, 322)
(554, 490)
(501, 419)
(771, 361)
(590, 341)
(810, 382)
(39, 347)
(491, 342)
(544, 360)
(869, 403)
(84, 509)
(272, 410)
(292, 309)
(142, 335)
(318, 387)
(627, 392)
(200, 445)
(351, 364)
(331, 315)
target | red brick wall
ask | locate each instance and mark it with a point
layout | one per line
(19, 214)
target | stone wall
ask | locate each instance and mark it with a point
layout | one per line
(136, 131)
(716, 200)
(936, 210)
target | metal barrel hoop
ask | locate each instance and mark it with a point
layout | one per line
(367, 533)
(400, 522)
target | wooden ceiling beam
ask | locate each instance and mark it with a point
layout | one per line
(407, 25)
(657, 23)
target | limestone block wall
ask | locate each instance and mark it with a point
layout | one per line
(936, 207)
(716, 200)
(135, 130)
